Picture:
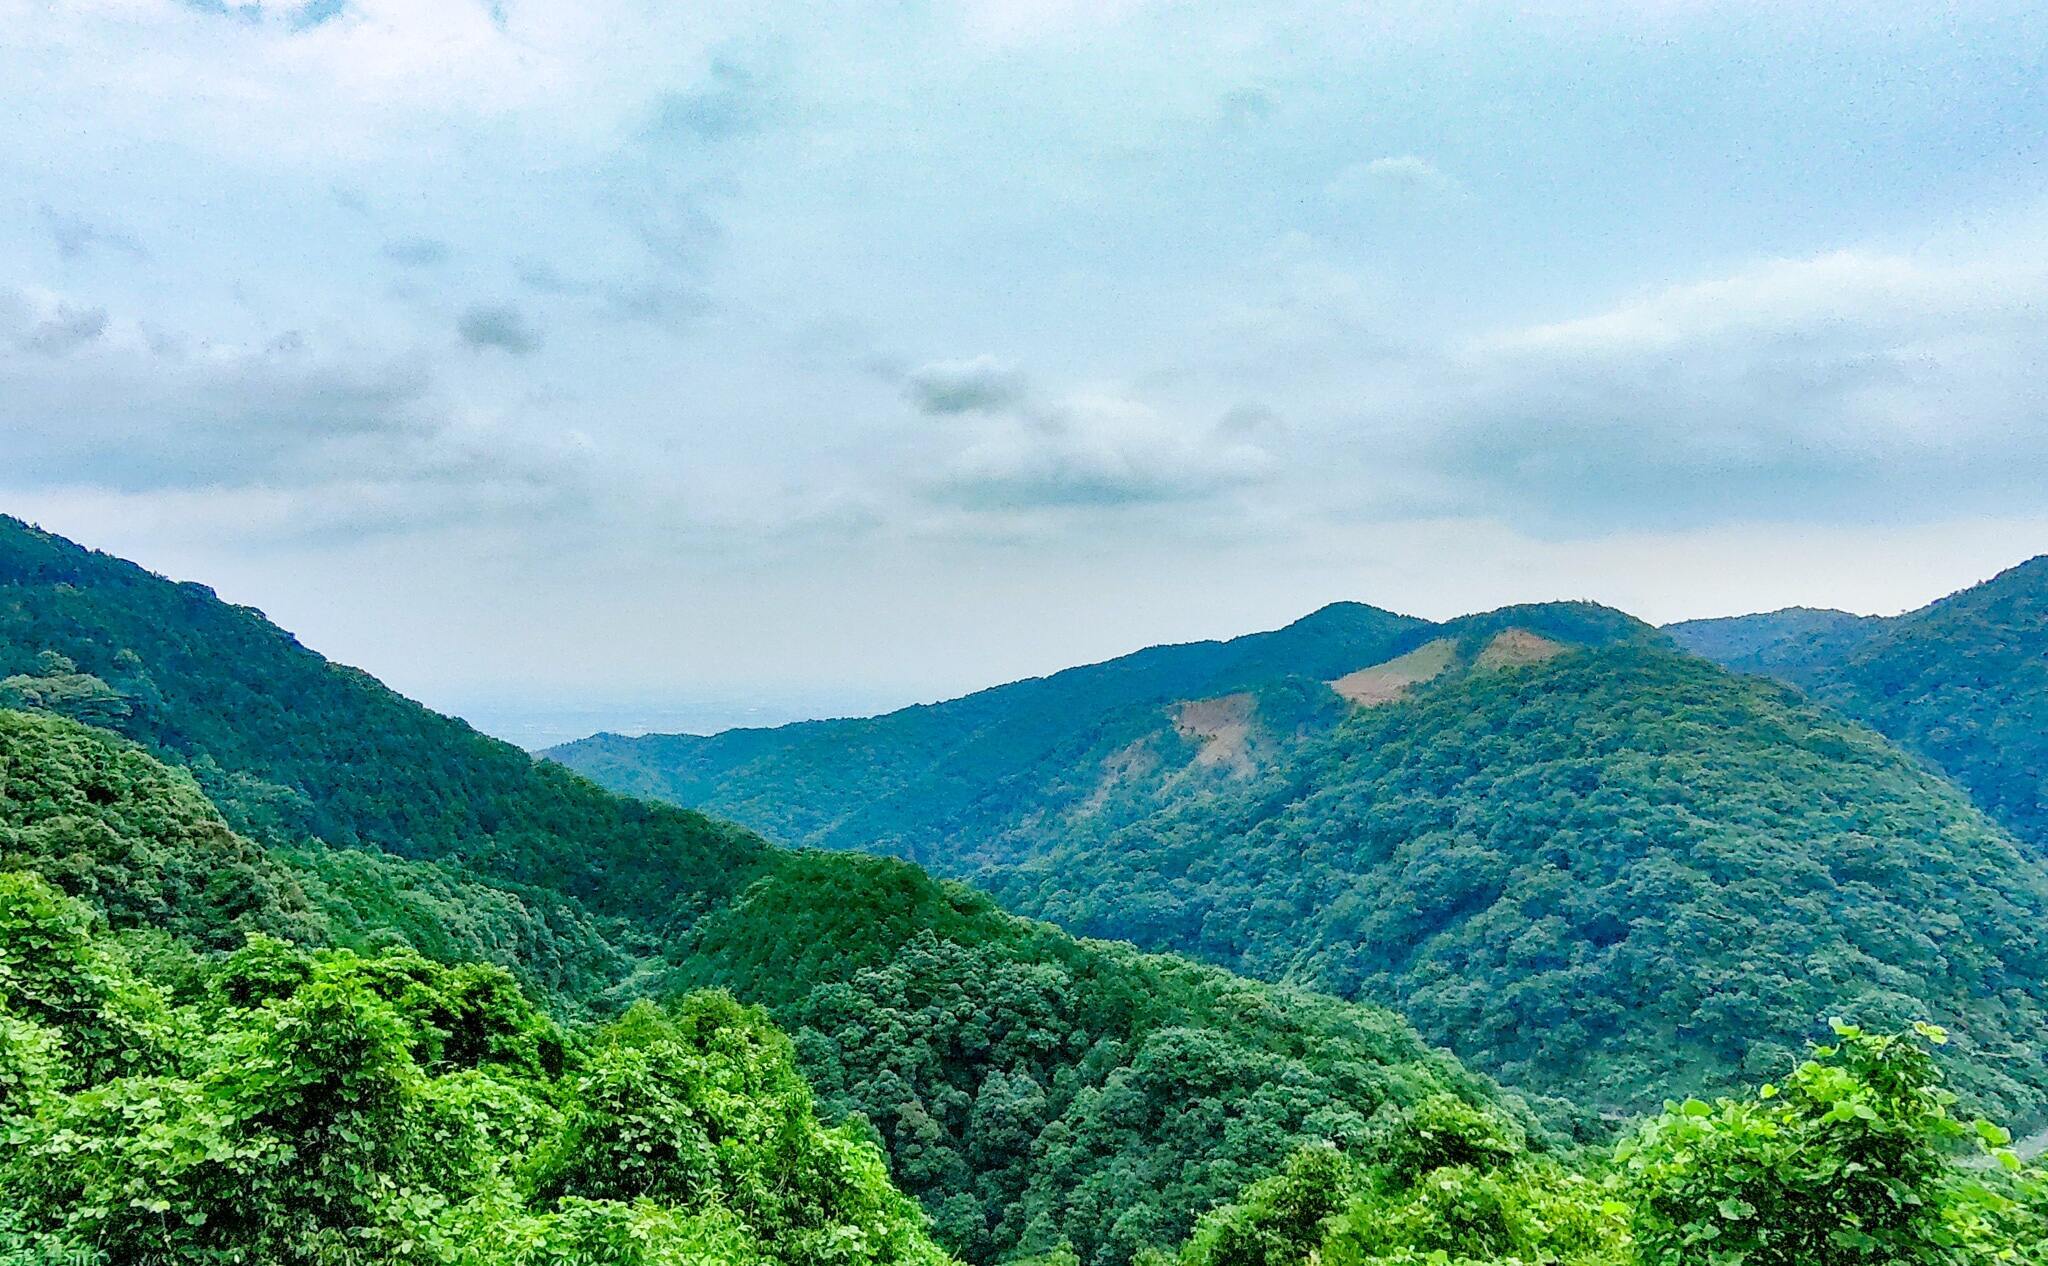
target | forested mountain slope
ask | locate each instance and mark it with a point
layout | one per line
(1962, 682)
(291, 746)
(298, 1107)
(1589, 874)
(1029, 1088)
(167, 1099)
(990, 779)
(1587, 862)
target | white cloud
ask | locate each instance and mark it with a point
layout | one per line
(1833, 385)
(1403, 173)
(1096, 450)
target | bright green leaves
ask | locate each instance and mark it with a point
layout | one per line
(1852, 1162)
(324, 1108)
(1440, 1183)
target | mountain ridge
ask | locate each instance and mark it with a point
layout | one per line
(1575, 761)
(1961, 682)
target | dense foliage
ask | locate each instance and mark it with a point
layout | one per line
(284, 1106)
(1962, 682)
(1036, 1093)
(1614, 876)
(1033, 1089)
(107, 823)
(1617, 875)
(1856, 1160)
(1030, 1089)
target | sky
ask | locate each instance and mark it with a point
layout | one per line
(628, 360)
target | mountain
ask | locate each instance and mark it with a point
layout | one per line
(1796, 644)
(1582, 859)
(168, 1098)
(1585, 874)
(1962, 682)
(965, 783)
(1029, 1089)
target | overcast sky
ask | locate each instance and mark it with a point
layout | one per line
(535, 349)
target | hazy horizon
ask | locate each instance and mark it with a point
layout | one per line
(537, 716)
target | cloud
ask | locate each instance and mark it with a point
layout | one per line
(541, 277)
(1404, 173)
(290, 15)
(667, 307)
(417, 252)
(671, 306)
(335, 431)
(77, 237)
(498, 325)
(59, 328)
(981, 385)
(1846, 385)
(1093, 449)
(734, 102)
(314, 12)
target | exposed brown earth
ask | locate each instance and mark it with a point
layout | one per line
(1384, 683)
(1223, 726)
(1513, 648)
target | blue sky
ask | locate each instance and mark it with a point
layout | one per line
(615, 350)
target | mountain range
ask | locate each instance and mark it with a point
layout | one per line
(1962, 682)
(1562, 843)
(313, 932)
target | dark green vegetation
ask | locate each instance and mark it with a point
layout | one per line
(1962, 682)
(1592, 865)
(1029, 1089)
(437, 1047)
(959, 784)
(1856, 1160)
(165, 1101)
(1616, 875)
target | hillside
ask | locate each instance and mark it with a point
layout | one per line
(969, 784)
(1589, 874)
(167, 1101)
(1590, 864)
(1962, 682)
(108, 824)
(1028, 1088)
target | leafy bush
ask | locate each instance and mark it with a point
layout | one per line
(1851, 1162)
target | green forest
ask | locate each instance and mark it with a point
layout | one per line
(1607, 872)
(1962, 683)
(294, 970)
